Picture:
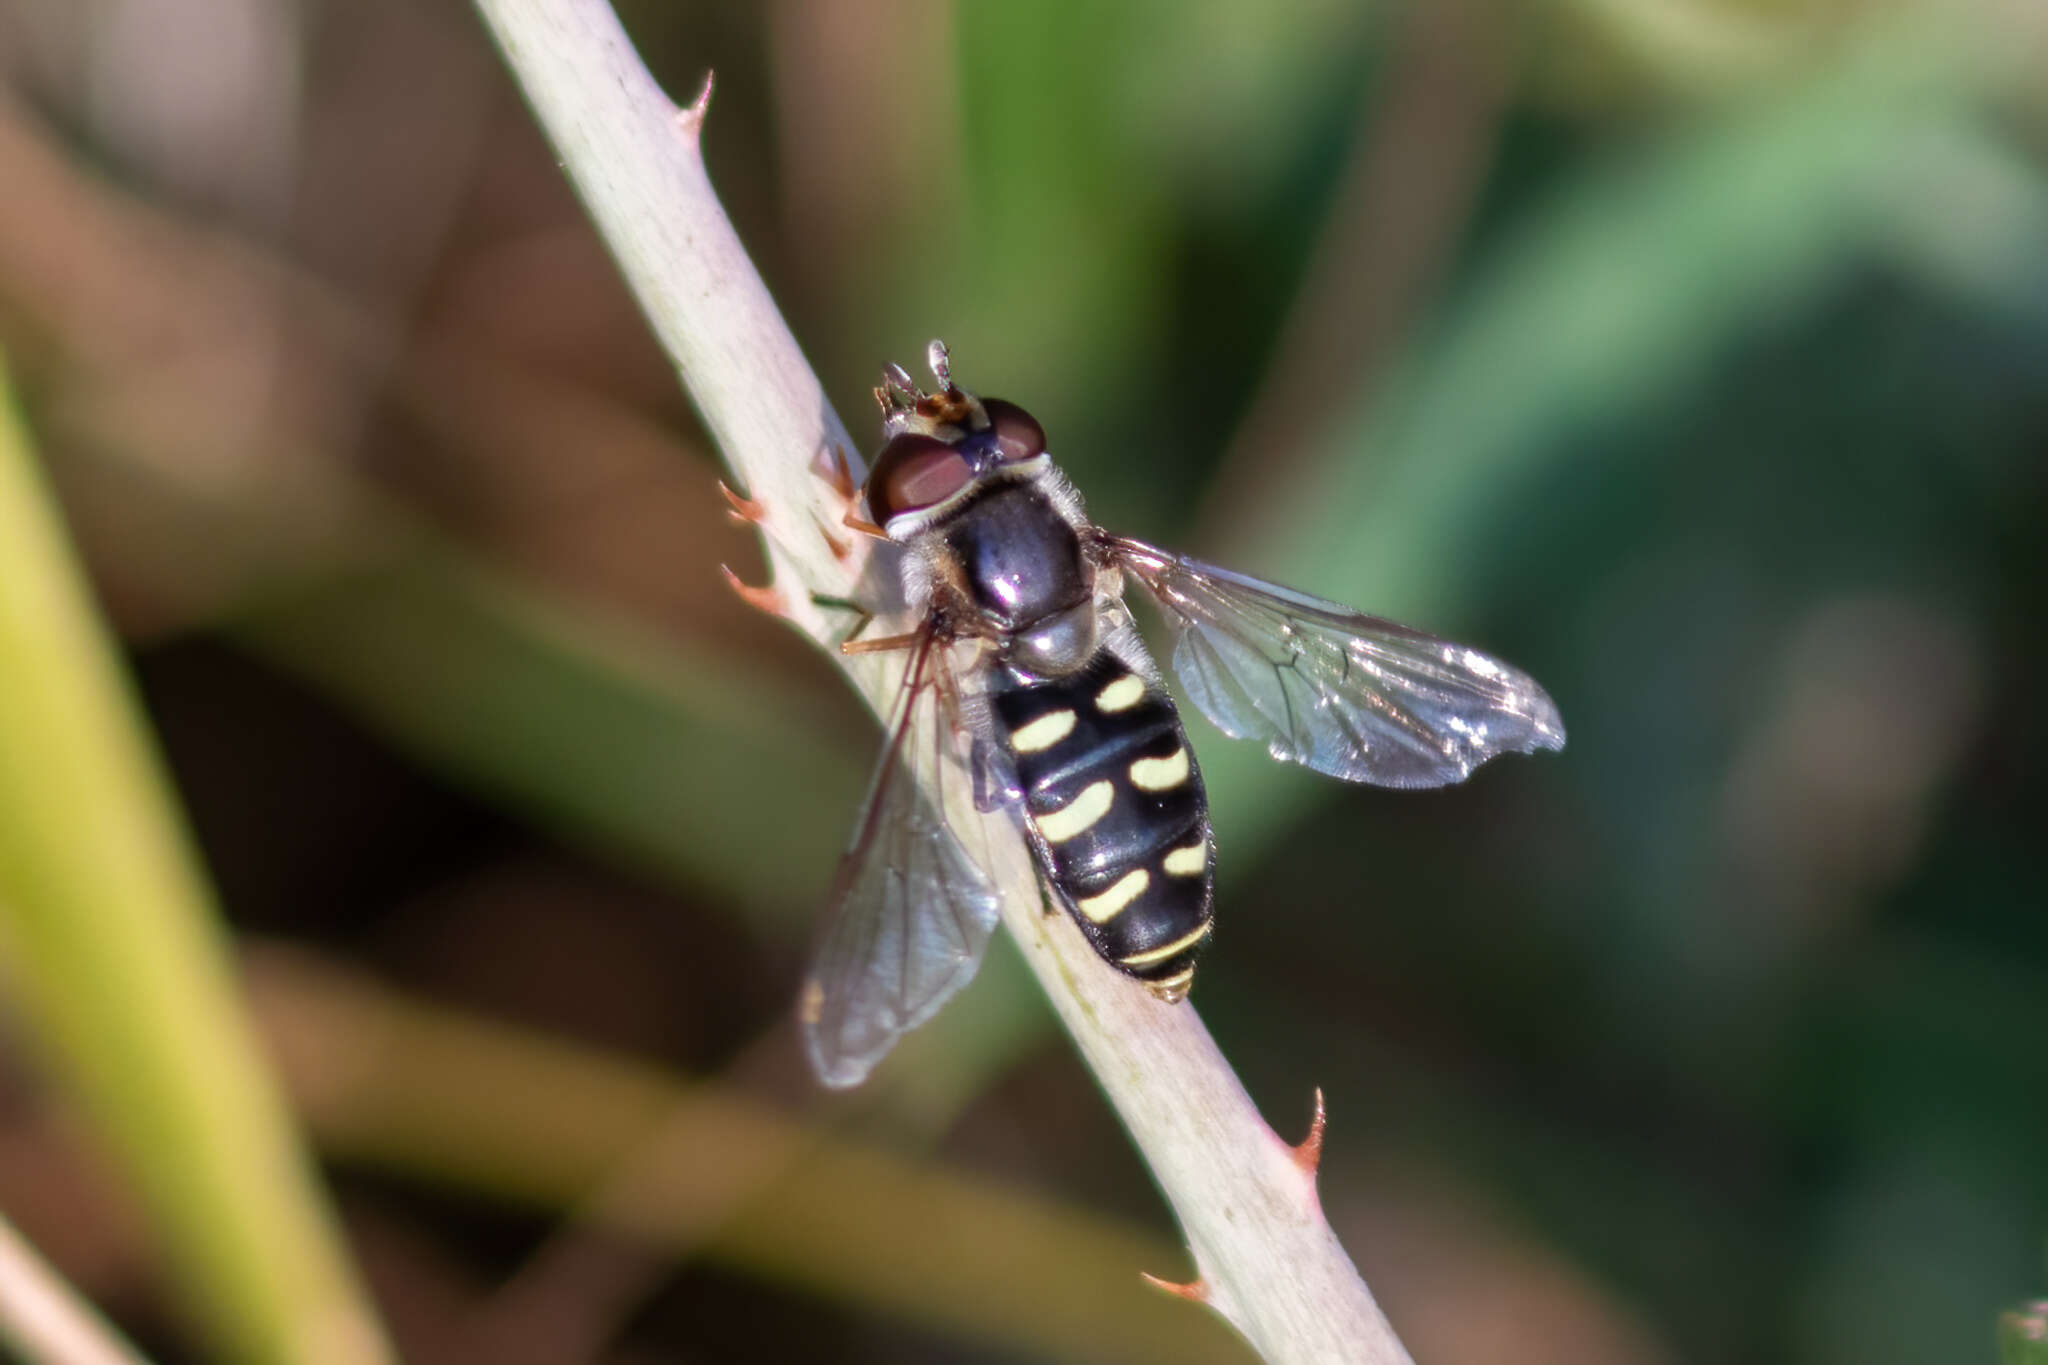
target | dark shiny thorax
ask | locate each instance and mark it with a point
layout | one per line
(1020, 561)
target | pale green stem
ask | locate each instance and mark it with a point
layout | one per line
(43, 1320)
(1267, 1258)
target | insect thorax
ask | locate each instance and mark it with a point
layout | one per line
(1010, 565)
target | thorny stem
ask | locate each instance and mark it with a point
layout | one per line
(1266, 1258)
(42, 1319)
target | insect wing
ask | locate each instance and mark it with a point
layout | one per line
(915, 900)
(1347, 694)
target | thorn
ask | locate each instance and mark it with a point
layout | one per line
(690, 119)
(835, 467)
(1309, 1155)
(863, 525)
(745, 511)
(761, 599)
(1194, 1291)
(840, 548)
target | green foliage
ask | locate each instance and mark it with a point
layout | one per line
(1717, 407)
(2023, 1335)
(114, 950)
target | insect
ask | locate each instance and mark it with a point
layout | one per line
(1027, 681)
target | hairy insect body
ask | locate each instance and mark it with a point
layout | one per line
(1024, 676)
(1111, 795)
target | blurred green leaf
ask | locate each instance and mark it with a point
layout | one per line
(648, 751)
(675, 761)
(1615, 301)
(115, 951)
(1589, 51)
(2023, 1335)
(701, 1170)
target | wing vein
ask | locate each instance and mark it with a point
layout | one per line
(914, 905)
(1377, 702)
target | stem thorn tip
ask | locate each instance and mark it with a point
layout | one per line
(840, 548)
(1309, 1155)
(835, 467)
(744, 510)
(761, 599)
(690, 118)
(1194, 1291)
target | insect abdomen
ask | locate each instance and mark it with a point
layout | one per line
(1113, 795)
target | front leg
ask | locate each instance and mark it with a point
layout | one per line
(863, 618)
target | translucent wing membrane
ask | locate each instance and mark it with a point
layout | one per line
(1341, 692)
(915, 900)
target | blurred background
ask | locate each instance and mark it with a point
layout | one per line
(1690, 354)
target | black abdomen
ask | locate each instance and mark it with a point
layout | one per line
(1115, 800)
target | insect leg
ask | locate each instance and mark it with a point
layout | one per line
(863, 618)
(864, 526)
(882, 645)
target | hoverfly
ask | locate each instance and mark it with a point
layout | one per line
(1026, 678)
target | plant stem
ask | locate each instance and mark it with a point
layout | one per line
(43, 1320)
(1267, 1259)
(406, 1086)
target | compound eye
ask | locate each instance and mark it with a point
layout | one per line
(1018, 435)
(913, 473)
